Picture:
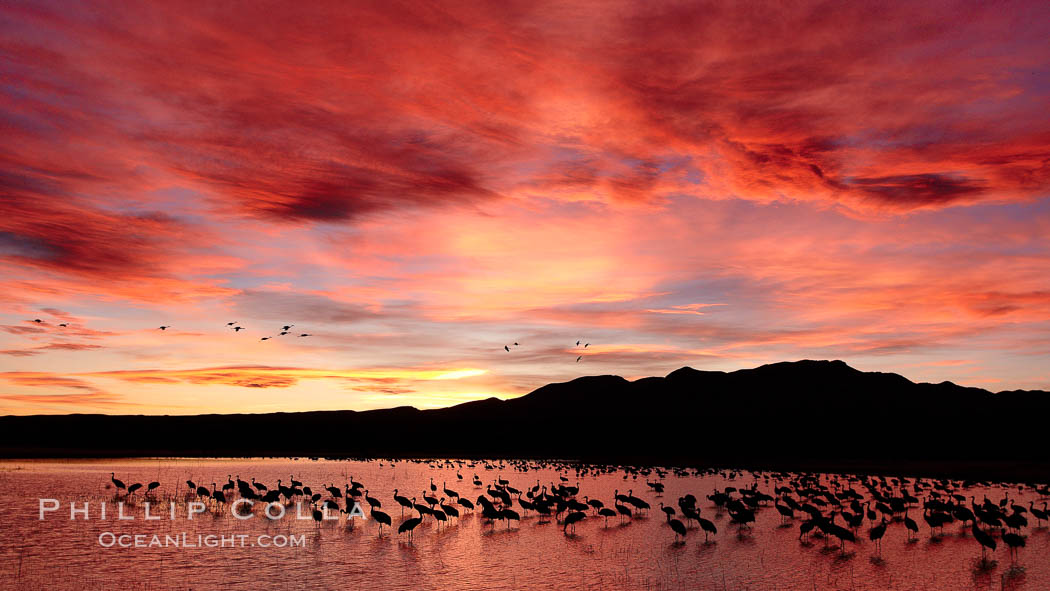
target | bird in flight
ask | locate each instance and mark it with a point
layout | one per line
(515, 344)
(164, 327)
(265, 339)
(287, 327)
(587, 345)
(38, 321)
(283, 332)
(579, 358)
(577, 343)
(63, 325)
(304, 335)
(238, 328)
(230, 323)
(506, 347)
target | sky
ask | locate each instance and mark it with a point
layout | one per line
(418, 185)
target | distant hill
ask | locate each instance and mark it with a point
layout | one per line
(792, 414)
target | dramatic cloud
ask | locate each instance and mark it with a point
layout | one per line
(417, 185)
(50, 347)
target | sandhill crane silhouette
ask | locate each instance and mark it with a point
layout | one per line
(403, 501)
(678, 527)
(449, 492)
(805, 528)
(668, 511)
(409, 525)
(1014, 541)
(380, 518)
(1039, 514)
(217, 495)
(571, 519)
(117, 482)
(912, 527)
(448, 509)
(439, 516)
(985, 540)
(875, 534)
(623, 511)
(509, 514)
(708, 527)
(844, 535)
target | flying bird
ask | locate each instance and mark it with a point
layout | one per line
(265, 339)
(304, 335)
(63, 325)
(283, 332)
(515, 344)
(287, 327)
(587, 345)
(577, 343)
(230, 323)
(238, 328)
(506, 347)
(164, 327)
(38, 321)
(579, 358)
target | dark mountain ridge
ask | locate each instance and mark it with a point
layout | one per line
(800, 413)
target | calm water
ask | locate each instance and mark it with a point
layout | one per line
(468, 553)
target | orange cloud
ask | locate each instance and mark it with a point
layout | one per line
(417, 188)
(280, 377)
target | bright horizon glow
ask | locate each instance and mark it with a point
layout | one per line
(674, 184)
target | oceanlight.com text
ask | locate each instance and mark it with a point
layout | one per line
(193, 541)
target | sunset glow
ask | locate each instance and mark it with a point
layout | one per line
(418, 187)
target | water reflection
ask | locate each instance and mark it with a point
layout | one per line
(634, 551)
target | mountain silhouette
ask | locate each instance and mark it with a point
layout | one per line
(790, 415)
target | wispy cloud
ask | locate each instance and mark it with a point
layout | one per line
(418, 186)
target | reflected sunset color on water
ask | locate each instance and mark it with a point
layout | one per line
(635, 551)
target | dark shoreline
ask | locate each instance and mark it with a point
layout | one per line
(800, 416)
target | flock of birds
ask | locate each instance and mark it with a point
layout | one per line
(578, 358)
(830, 507)
(286, 330)
(234, 326)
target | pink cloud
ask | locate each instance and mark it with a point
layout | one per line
(417, 184)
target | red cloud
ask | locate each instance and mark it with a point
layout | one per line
(404, 169)
(872, 107)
